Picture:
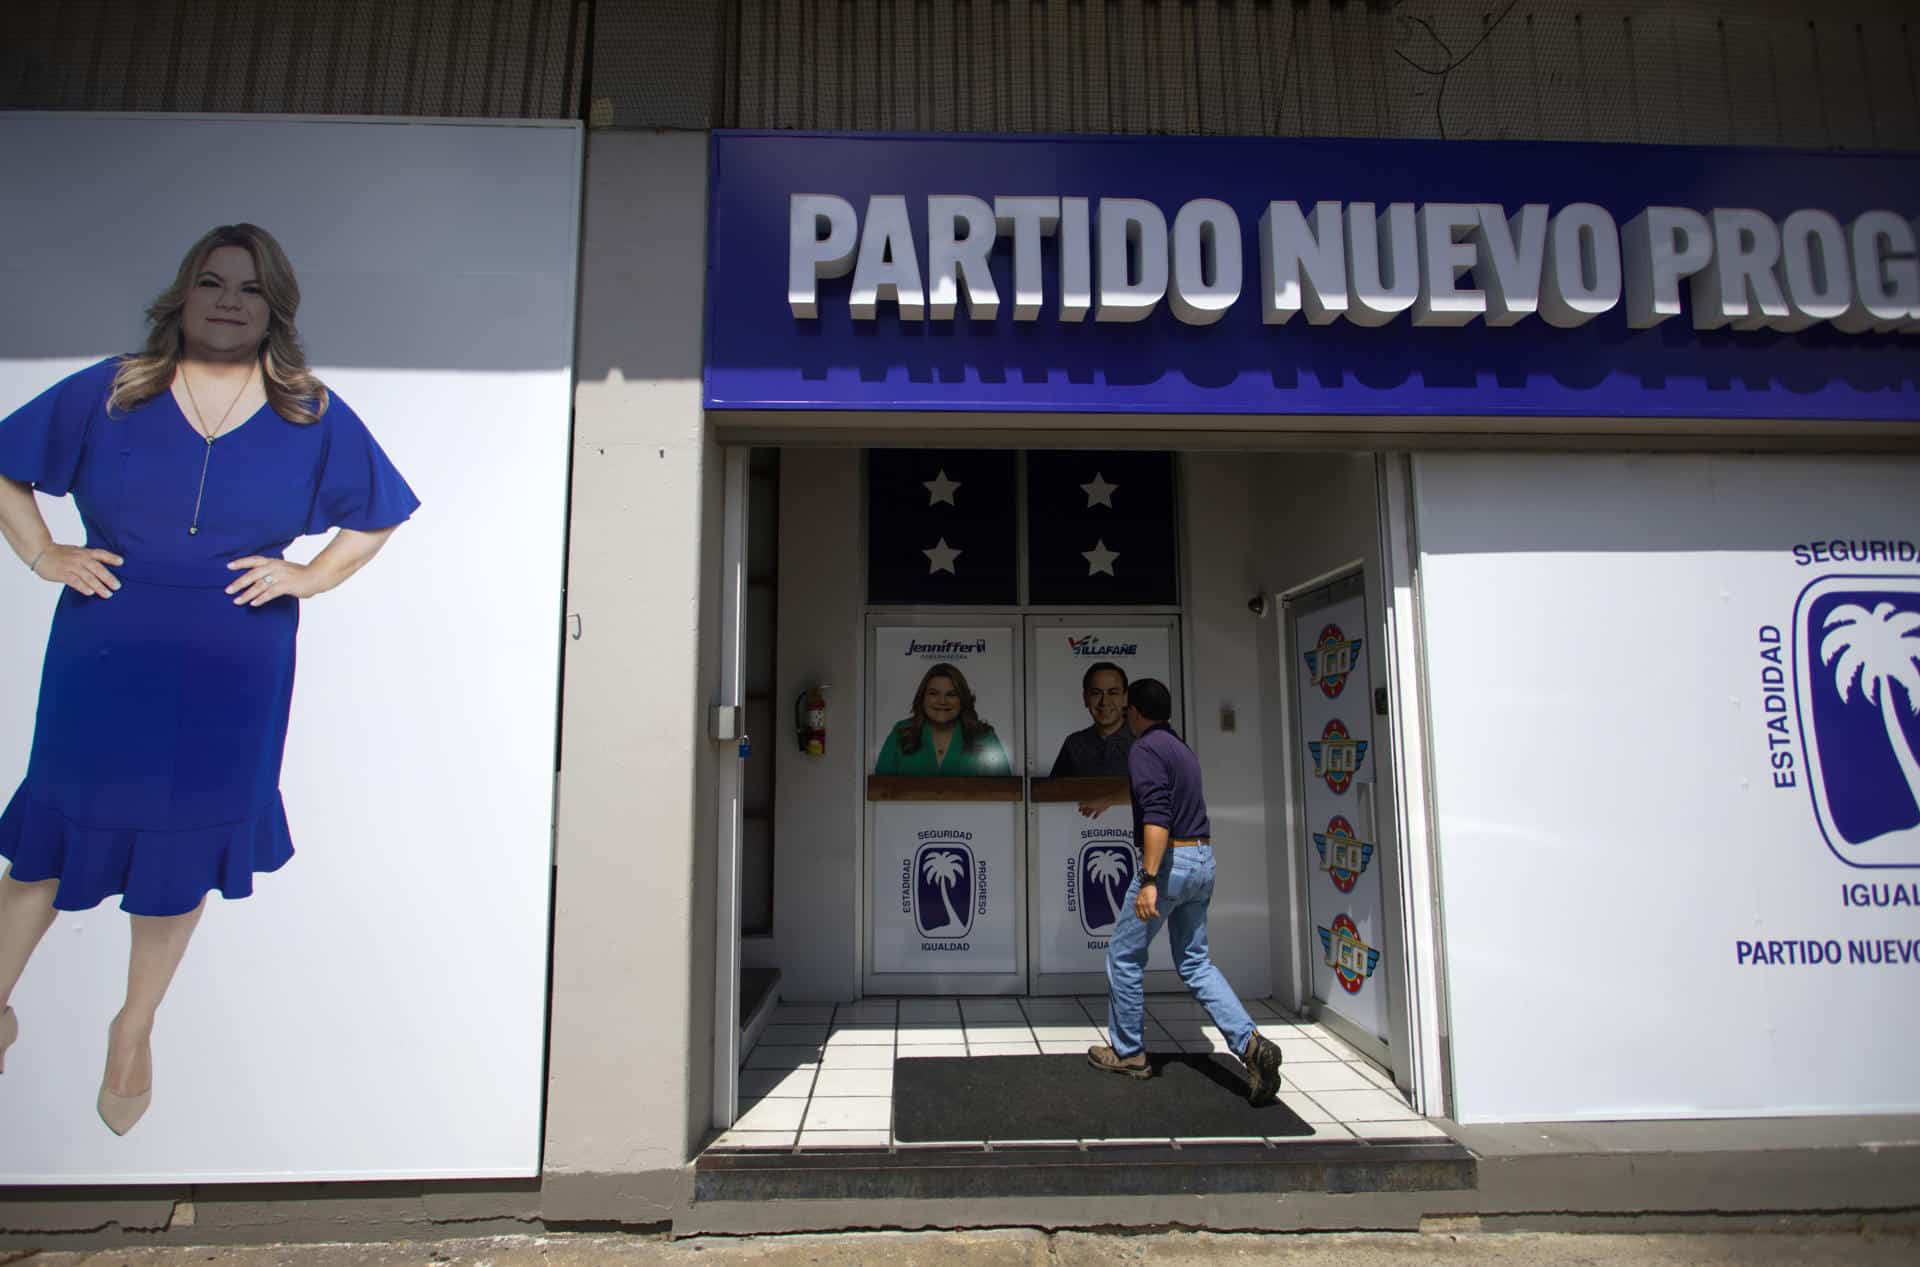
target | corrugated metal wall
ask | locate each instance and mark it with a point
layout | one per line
(447, 58)
(1843, 73)
(1749, 73)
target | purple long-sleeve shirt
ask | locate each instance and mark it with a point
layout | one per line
(1165, 781)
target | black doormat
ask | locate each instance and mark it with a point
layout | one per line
(1063, 1097)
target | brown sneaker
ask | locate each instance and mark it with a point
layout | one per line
(1101, 1056)
(1262, 1060)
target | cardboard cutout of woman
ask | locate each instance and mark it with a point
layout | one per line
(943, 711)
(155, 769)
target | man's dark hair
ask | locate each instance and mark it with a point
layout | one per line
(1086, 679)
(1152, 698)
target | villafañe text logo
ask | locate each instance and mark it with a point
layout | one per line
(1343, 856)
(1351, 959)
(1331, 659)
(946, 888)
(1856, 661)
(1088, 645)
(1103, 869)
(1337, 756)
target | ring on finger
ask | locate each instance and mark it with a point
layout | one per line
(267, 580)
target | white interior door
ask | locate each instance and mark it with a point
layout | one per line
(1331, 650)
(1079, 866)
(945, 857)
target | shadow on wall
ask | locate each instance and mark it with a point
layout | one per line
(1572, 503)
(643, 262)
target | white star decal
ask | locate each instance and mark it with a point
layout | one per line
(940, 558)
(940, 489)
(1099, 493)
(1099, 559)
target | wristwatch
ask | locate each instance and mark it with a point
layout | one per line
(1146, 879)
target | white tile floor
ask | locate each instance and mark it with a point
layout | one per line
(822, 1077)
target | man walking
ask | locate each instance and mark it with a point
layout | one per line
(1172, 886)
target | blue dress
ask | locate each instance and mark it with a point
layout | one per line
(155, 769)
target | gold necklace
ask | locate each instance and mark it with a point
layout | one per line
(200, 425)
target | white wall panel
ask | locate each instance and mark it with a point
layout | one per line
(376, 1008)
(1614, 816)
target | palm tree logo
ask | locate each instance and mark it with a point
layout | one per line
(944, 869)
(1879, 649)
(1110, 868)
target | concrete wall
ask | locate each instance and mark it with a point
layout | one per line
(817, 800)
(632, 959)
(1223, 642)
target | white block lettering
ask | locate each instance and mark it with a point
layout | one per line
(1076, 260)
(1443, 259)
(1665, 245)
(1383, 262)
(889, 268)
(1513, 253)
(1206, 262)
(822, 231)
(1813, 271)
(1026, 221)
(1886, 277)
(1302, 267)
(1583, 266)
(1740, 288)
(1133, 259)
(960, 233)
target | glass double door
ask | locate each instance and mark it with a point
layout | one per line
(999, 842)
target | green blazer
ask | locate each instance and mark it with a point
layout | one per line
(986, 756)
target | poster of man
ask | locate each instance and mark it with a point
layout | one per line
(1100, 750)
(1080, 677)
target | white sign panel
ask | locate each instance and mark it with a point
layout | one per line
(1085, 865)
(945, 884)
(1334, 686)
(1676, 711)
(944, 895)
(372, 1006)
(1085, 868)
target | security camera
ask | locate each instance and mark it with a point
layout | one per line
(1257, 604)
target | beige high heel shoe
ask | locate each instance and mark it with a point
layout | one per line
(122, 1113)
(9, 1030)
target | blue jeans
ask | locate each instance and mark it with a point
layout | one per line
(1187, 875)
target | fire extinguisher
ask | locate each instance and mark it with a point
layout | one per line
(810, 720)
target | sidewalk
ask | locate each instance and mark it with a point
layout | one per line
(1026, 1248)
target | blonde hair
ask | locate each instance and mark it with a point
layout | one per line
(292, 389)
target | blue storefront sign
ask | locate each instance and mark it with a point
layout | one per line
(1330, 277)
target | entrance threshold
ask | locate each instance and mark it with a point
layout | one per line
(822, 1078)
(911, 1173)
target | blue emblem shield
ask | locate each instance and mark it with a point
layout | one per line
(1857, 660)
(1104, 872)
(943, 888)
